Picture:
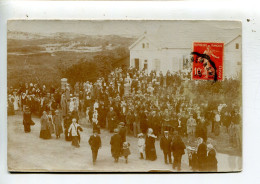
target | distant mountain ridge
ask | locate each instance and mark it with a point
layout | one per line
(58, 35)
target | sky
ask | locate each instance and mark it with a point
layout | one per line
(122, 27)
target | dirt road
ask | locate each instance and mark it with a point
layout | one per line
(27, 152)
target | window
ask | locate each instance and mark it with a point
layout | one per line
(143, 45)
(237, 45)
(239, 63)
(147, 45)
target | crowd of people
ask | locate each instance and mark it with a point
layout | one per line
(130, 103)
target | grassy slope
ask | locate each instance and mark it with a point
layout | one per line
(44, 68)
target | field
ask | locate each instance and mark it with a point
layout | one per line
(42, 59)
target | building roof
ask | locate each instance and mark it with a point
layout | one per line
(183, 36)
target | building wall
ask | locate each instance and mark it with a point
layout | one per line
(172, 59)
(233, 58)
(169, 59)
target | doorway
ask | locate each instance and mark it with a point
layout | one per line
(137, 64)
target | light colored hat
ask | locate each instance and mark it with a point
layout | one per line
(210, 146)
(150, 130)
(116, 130)
(140, 135)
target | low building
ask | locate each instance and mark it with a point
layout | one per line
(154, 52)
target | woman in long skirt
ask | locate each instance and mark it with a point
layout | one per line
(50, 122)
(150, 151)
(45, 129)
(74, 132)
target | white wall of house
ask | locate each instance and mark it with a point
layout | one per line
(157, 59)
(172, 58)
(233, 58)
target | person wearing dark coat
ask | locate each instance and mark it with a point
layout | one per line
(111, 119)
(45, 129)
(201, 130)
(143, 122)
(202, 155)
(116, 145)
(212, 163)
(95, 144)
(67, 123)
(177, 149)
(165, 145)
(122, 131)
(57, 120)
(150, 150)
(27, 120)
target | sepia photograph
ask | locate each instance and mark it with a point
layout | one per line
(124, 96)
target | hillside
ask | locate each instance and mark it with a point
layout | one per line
(41, 58)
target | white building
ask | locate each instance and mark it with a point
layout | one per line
(163, 53)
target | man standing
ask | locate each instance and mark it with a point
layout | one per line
(122, 131)
(202, 129)
(27, 120)
(191, 126)
(111, 118)
(165, 145)
(95, 143)
(177, 149)
(202, 154)
(116, 145)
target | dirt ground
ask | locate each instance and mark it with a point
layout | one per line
(27, 152)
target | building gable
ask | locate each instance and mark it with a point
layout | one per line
(143, 43)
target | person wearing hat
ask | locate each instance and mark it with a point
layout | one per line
(63, 104)
(116, 145)
(201, 129)
(177, 148)
(191, 127)
(57, 119)
(96, 126)
(212, 163)
(202, 154)
(66, 124)
(111, 119)
(122, 131)
(126, 151)
(95, 144)
(74, 132)
(10, 110)
(27, 120)
(45, 129)
(150, 151)
(165, 145)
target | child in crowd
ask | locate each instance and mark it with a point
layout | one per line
(141, 145)
(126, 151)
